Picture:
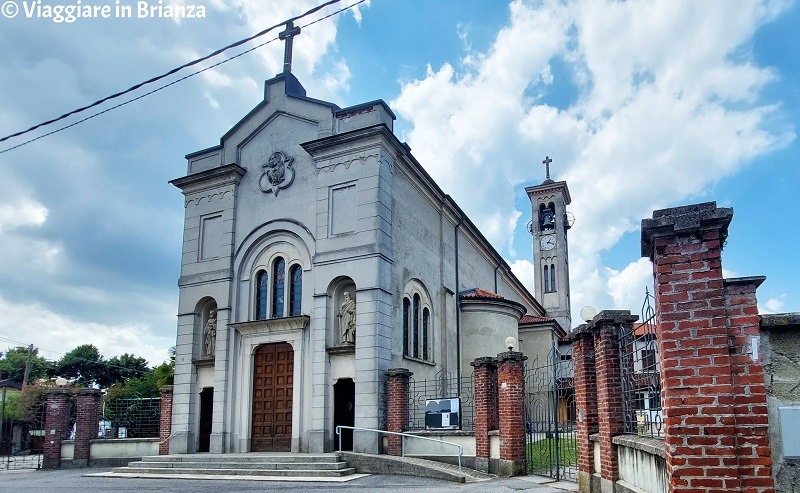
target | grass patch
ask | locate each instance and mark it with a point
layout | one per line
(542, 454)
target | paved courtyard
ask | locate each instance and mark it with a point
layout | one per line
(76, 481)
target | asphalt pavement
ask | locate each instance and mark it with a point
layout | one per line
(77, 481)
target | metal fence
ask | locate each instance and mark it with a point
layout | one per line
(641, 383)
(23, 437)
(130, 418)
(550, 428)
(444, 385)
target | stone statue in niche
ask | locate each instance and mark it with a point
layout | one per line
(347, 319)
(210, 340)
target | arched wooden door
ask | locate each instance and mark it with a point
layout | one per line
(273, 377)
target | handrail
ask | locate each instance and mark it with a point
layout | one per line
(402, 441)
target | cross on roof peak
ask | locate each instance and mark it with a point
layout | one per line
(547, 162)
(288, 36)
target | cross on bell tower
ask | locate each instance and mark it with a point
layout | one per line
(288, 36)
(547, 162)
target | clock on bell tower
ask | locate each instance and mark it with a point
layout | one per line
(549, 224)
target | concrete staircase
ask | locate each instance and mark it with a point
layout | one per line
(239, 465)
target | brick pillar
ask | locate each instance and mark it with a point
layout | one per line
(713, 442)
(165, 420)
(55, 427)
(397, 406)
(584, 364)
(511, 402)
(753, 449)
(87, 414)
(607, 327)
(484, 376)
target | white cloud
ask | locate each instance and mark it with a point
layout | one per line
(24, 213)
(523, 269)
(667, 103)
(627, 287)
(773, 305)
(57, 334)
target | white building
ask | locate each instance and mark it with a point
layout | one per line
(301, 206)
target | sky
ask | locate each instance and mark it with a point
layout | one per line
(641, 105)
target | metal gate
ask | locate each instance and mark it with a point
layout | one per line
(23, 432)
(550, 431)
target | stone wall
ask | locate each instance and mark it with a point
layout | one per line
(780, 344)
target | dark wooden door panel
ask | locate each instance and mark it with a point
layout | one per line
(273, 375)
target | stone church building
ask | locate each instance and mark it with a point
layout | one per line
(317, 254)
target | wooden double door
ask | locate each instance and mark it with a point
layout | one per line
(273, 378)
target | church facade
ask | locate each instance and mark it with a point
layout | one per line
(318, 254)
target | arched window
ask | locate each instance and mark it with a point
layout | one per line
(552, 277)
(406, 310)
(426, 315)
(546, 279)
(261, 295)
(415, 324)
(278, 288)
(296, 291)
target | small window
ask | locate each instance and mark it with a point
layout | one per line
(296, 293)
(261, 295)
(278, 278)
(546, 279)
(406, 313)
(426, 315)
(552, 277)
(648, 357)
(415, 324)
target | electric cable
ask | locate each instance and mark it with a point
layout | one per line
(173, 71)
(161, 87)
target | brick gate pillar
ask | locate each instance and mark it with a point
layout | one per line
(87, 414)
(397, 407)
(584, 364)
(607, 326)
(484, 378)
(714, 404)
(165, 420)
(511, 404)
(55, 426)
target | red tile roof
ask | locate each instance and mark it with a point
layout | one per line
(481, 293)
(530, 319)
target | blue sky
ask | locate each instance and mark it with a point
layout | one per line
(641, 105)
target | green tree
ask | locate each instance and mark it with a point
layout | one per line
(12, 365)
(127, 366)
(85, 365)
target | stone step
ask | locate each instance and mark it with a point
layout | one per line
(225, 464)
(244, 458)
(237, 472)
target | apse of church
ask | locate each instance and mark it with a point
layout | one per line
(318, 254)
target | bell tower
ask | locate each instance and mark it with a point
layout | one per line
(549, 224)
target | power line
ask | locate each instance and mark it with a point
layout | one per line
(171, 72)
(160, 88)
(104, 363)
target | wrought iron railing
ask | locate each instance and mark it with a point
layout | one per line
(550, 428)
(443, 385)
(641, 383)
(130, 418)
